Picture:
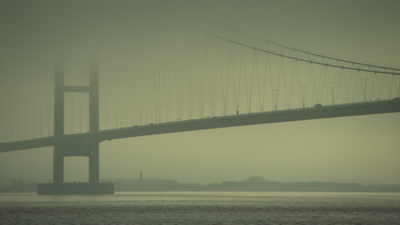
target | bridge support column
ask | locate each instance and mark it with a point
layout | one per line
(58, 155)
(94, 163)
(73, 147)
(94, 167)
(58, 164)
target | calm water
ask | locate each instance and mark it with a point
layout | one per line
(202, 208)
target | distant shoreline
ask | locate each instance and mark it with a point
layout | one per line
(251, 184)
(255, 184)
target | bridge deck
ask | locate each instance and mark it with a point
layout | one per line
(344, 110)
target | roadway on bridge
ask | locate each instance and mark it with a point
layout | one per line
(357, 109)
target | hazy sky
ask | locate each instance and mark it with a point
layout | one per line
(355, 149)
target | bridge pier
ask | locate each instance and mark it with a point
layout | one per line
(94, 163)
(73, 147)
(58, 153)
(58, 164)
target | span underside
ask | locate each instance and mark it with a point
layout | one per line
(359, 109)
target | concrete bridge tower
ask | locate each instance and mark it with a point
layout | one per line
(65, 146)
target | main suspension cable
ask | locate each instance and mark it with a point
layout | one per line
(306, 60)
(313, 54)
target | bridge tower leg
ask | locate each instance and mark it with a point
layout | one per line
(94, 161)
(58, 156)
(61, 147)
(58, 164)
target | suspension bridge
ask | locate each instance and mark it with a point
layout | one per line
(198, 81)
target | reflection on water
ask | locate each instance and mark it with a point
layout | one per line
(202, 208)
